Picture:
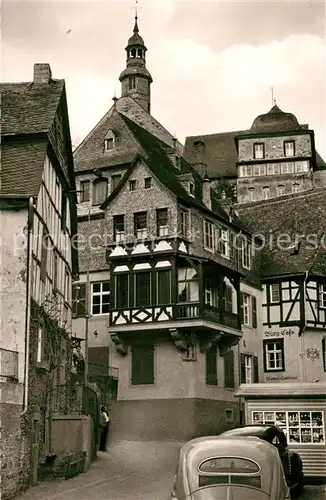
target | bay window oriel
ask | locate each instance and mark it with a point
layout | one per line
(163, 286)
(188, 286)
(121, 290)
(142, 288)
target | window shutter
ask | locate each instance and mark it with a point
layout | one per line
(142, 364)
(211, 366)
(255, 369)
(241, 308)
(229, 369)
(254, 311)
(232, 245)
(243, 368)
(324, 352)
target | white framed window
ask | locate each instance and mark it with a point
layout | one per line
(274, 355)
(322, 296)
(184, 222)
(275, 292)
(246, 254)
(259, 150)
(280, 190)
(208, 234)
(191, 189)
(266, 193)
(100, 298)
(248, 369)
(246, 309)
(289, 149)
(251, 192)
(256, 170)
(276, 168)
(39, 355)
(295, 188)
(224, 242)
(262, 169)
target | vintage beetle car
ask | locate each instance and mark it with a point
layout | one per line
(291, 461)
(217, 468)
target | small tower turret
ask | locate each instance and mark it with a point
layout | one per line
(136, 79)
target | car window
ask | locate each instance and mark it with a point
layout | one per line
(229, 465)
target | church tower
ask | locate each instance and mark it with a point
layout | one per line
(136, 79)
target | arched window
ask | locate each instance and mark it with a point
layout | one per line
(140, 53)
(133, 52)
(266, 193)
(295, 188)
(132, 82)
(280, 190)
(100, 191)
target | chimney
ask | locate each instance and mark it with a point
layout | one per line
(174, 154)
(42, 73)
(207, 198)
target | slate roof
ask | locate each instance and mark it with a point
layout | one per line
(89, 154)
(275, 120)
(219, 153)
(22, 161)
(28, 108)
(302, 217)
(155, 154)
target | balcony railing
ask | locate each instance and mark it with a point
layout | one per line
(171, 312)
(8, 364)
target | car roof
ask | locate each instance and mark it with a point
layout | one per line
(262, 431)
(226, 446)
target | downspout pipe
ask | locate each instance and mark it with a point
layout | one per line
(28, 300)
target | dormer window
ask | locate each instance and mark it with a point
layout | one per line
(109, 140)
(191, 189)
(259, 150)
(289, 149)
(108, 144)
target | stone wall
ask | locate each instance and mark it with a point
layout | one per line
(274, 146)
(14, 454)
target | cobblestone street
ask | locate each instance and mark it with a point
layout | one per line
(128, 471)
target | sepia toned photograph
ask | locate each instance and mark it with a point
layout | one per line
(163, 250)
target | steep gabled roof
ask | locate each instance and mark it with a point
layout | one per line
(90, 152)
(218, 152)
(301, 217)
(155, 155)
(23, 161)
(29, 108)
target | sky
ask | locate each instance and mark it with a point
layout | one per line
(213, 63)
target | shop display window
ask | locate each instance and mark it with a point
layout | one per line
(299, 427)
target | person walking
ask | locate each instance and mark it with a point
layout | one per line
(104, 424)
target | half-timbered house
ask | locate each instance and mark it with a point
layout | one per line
(162, 274)
(293, 279)
(38, 215)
